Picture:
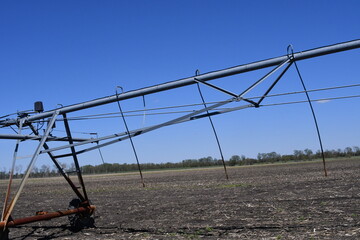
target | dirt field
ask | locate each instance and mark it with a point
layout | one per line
(288, 201)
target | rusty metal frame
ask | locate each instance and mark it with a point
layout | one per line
(6, 220)
(9, 208)
(46, 216)
(4, 224)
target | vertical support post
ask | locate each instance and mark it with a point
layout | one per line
(30, 167)
(8, 192)
(77, 166)
(61, 171)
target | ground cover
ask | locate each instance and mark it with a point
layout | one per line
(283, 201)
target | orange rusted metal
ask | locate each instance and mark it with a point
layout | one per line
(47, 216)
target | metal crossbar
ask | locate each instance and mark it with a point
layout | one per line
(208, 110)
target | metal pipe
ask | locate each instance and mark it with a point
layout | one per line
(190, 80)
(32, 137)
(16, 222)
(274, 83)
(60, 169)
(8, 192)
(76, 161)
(144, 130)
(30, 167)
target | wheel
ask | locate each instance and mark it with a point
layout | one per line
(79, 221)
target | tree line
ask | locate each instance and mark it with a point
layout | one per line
(235, 160)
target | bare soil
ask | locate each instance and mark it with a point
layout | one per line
(285, 201)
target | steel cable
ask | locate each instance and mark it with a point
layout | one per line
(311, 106)
(129, 135)
(213, 128)
(93, 116)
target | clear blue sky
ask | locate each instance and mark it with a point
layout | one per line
(66, 52)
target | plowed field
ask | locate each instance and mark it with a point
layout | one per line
(285, 201)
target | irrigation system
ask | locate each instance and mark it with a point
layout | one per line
(81, 209)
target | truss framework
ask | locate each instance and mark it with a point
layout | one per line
(280, 64)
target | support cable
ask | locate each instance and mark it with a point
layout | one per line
(291, 56)
(213, 127)
(312, 100)
(188, 81)
(151, 128)
(126, 113)
(129, 135)
(189, 111)
(121, 136)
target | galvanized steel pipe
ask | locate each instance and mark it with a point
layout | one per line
(190, 80)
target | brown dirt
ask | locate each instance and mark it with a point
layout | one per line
(287, 201)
